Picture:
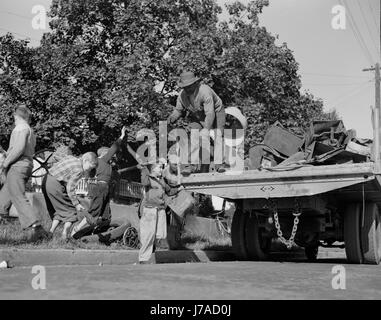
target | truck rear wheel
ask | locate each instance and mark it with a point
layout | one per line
(371, 234)
(258, 246)
(238, 234)
(352, 236)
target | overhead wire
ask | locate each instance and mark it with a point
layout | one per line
(19, 34)
(351, 93)
(16, 15)
(368, 27)
(335, 84)
(328, 75)
(357, 33)
(372, 10)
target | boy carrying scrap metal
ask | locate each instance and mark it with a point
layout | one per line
(152, 214)
(162, 189)
(153, 220)
(177, 199)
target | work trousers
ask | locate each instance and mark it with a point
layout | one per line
(200, 149)
(100, 201)
(57, 200)
(153, 225)
(13, 192)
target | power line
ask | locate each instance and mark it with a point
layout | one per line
(19, 34)
(17, 15)
(373, 15)
(328, 75)
(368, 27)
(357, 33)
(351, 93)
(335, 84)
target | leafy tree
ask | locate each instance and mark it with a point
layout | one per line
(108, 63)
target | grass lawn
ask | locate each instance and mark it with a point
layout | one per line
(12, 236)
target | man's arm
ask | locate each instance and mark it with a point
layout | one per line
(71, 185)
(20, 139)
(115, 147)
(145, 176)
(177, 112)
(209, 111)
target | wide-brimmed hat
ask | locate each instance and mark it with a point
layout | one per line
(187, 78)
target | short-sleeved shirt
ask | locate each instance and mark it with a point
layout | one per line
(201, 106)
(69, 171)
(21, 146)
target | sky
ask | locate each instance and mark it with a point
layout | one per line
(331, 61)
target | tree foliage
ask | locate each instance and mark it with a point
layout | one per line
(108, 63)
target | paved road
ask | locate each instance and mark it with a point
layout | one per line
(222, 280)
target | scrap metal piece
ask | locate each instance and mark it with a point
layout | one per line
(282, 140)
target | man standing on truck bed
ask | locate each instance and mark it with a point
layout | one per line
(204, 108)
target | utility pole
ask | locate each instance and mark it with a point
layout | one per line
(378, 86)
(377, 105)
(376, 116)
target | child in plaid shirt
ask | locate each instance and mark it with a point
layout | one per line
(59, 186)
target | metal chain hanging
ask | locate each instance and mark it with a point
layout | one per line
(290, 242)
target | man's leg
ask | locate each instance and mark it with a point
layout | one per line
(65, 231)
(57, 195)
(49, 204)
(196, 145)
(205, 149)
(161, 226)
(78, 227)
(199, 147)
(16, 180)
(54, 226)
(220, 159)
(106, 213)
(95, 205)
(99, 202)
(174, 232)
(148, 224)
(5, 201)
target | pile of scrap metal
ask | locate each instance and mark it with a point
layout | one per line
(326, 143)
